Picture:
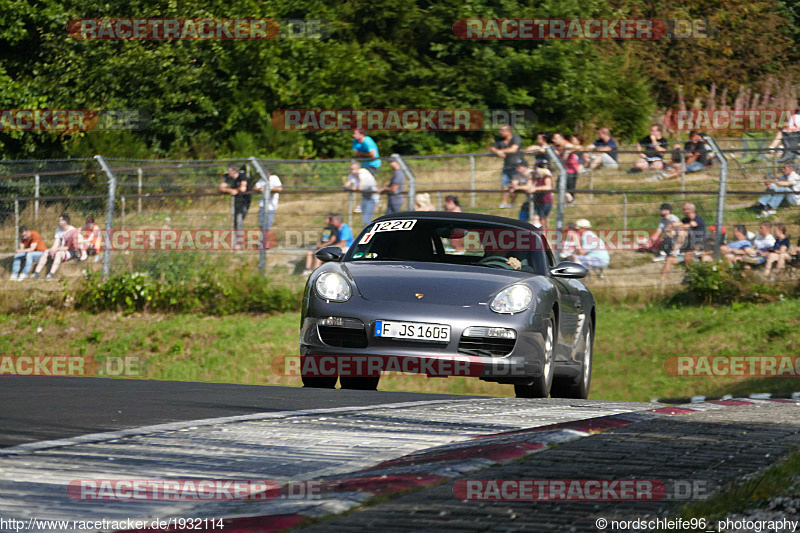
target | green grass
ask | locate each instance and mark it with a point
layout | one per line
(777, 480)
(631, 347)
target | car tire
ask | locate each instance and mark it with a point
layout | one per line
(578, 387)
(360, 383)
(540, 387)
(316, 382)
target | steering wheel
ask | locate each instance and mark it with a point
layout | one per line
(495, 261)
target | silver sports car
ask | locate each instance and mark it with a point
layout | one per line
(448, 294)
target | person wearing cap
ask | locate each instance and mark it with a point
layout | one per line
(591, 252)
(667, 227)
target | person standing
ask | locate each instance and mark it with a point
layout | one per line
(394, 190)
(365, 183)
(266, 213)
(508, 146)
(234, 183)
(366, 149)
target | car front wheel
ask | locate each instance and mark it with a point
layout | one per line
(540, 387)
(578, 387)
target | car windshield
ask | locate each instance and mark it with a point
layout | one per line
(476, 243)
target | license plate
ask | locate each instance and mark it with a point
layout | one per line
(418, 331)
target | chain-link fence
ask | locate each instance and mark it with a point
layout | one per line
(145, 203)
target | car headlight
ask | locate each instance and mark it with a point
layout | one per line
(332, 286)
(512, 299)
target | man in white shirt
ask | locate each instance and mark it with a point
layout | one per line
(769, 203)
(363, 180)
(275, 186)
(763, 244)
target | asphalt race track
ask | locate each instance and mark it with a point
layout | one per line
(58, 431)
(34, 408)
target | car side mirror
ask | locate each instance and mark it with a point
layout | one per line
(330, 253)
(568, 269)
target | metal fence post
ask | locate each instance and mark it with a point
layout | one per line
(139, 201)
(562, 185)
(472, 180)
(412, 180)
(36, 183)
(122, 216)
(625, 211)
(723, 187)
(263, 216)
(112, 191)
(16, 223)
(683, 175)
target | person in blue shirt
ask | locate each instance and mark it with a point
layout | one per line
(738, 249)
(345, 233)
(364, 147)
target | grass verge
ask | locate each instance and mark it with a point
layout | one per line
(632, 347)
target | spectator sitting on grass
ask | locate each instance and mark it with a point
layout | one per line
(328, 237)
(570, 243)
(690, 238)
(741, 247)
(66, 245)
(666, 231)
(769, 203)
(591, 251)
(762, 244)
(606, 151)
(30, 250)
(92, 240)
(651, 150)
(780, 251)
(696, 154)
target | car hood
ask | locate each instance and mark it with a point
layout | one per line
(438, 284)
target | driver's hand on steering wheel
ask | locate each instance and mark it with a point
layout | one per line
(514, 263)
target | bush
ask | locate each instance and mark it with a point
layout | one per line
(721, 283)
(217, 294)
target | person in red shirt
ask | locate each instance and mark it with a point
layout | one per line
(30, 250)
